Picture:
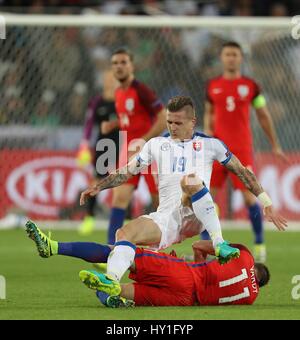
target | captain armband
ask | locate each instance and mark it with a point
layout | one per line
(259, 102)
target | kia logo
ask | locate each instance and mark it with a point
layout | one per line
(46, 183)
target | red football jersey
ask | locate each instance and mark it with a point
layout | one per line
(137, 107)
(232, 283)
(231, 100)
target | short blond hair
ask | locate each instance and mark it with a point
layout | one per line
(182, 103)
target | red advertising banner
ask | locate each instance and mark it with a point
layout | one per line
(280, 179)
(40, 183)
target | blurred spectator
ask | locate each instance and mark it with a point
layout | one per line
(209, 66)
(112, 7)
(61, 57)
(77, 103)
(153, 7)
(173, 81)
(193, 41)
(157, 7)
(100, 57)
(181, 7)
(12, 103)
(143, 49)
(37, 7)
(243, 8)
(219, 7)
(45, 113)
(278, 9)
(61, 61)
(110, 38)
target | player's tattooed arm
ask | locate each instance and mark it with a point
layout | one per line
(251, 182)
(120, 176)
(113, 180)
(245, 175)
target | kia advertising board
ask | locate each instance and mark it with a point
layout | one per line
(40, 183)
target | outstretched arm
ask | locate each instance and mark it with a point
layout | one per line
(121, 176)
(251, 183)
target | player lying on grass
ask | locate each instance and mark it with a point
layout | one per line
(166, 280)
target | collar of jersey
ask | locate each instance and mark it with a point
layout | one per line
(186, 140)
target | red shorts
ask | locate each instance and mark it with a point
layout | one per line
(162, 280)
(150, 179)
(220, 172)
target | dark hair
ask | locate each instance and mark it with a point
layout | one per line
(232, 44)
(123, 50)
(263, 274)
(178, 103)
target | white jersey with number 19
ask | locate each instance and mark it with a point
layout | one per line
(174, 159)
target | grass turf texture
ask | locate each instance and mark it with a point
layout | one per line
(50, 288)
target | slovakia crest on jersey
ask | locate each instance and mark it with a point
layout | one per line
(197, 145)
(243, 90)
(129, 104)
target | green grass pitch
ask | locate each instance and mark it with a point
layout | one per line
(50, 288)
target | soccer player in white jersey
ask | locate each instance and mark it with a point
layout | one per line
(184, 163)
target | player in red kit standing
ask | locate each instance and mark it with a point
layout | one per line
(227, 117)
(166, 280)
(142, 116)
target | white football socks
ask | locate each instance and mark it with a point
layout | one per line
(120, 259)
(205, 211)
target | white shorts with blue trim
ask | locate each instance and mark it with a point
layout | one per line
(176, 226)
